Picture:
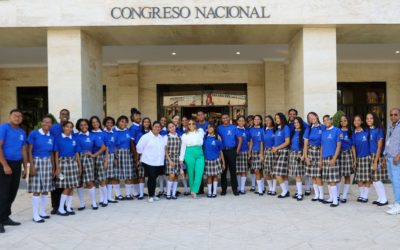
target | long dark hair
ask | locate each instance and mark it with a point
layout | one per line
(377, 122)
(282, 117)
(146, 118)
(272, 119)
(211, 124)
(91, 120)
(349, 126)
(309, 123)
(302, 129)
(78, 123)
(261, 119)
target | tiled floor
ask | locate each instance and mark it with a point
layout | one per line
(245, 222)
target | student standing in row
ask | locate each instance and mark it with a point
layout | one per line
(173, 147)
(281, 151)
(68, 167)
(330, 150)
(269, 156)
(242, 157)
(163, 178)
(362, 159)
(249, 125)
(112, 171)
(136, 132)
(256, 152)
(296, 157)
(227, 132)
(345, 157)
(41, 171)
(378, 169)
(13, 154)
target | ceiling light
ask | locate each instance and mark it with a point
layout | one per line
(237, 52)
(397, 51)
(173, 53)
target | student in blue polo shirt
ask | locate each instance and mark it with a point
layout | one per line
(269, 156)
(330, 150)
(13, 153)
(227, 132)
(112, 170)
(201, 120)
(164, 129)
(242, 157)
(87, 142)
(312, 154)
(56, 130)
(214, 160)
(250, 124)
(68, 167)
(256, 152)
(281, 150)
(136, 133)
(40, 151)
(346, 156)
(362, 157)
(376, 145)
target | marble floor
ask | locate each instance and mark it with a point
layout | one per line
(245, 222)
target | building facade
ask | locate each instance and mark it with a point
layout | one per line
(172, 57)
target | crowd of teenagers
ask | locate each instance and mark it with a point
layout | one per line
(100, 155)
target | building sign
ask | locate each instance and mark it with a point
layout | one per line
(185, 12)
(184, 100)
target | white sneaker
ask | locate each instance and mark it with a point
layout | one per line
(394, 210)
(151, 200)
(392, 205)
(156, 198)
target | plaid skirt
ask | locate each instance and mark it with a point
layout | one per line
(99, 171)
(379, 174)
(213, 167)
(43, 180)
(314, 155)
(255, 160)
(296, 165)
(87, 163)
(140, 171)
(269, 159)
(242, 159)
(330, 173)
(346, 163)
(125, 164)
(70, 170)
(281, 163)
(363, 169)
(112, 171)
(172, 169)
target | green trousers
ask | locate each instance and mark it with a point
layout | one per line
(194, 160)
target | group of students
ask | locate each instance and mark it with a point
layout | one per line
(271, 148)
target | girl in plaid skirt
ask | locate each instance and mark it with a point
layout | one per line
(126, 170)
(87, 143)
(112, 171)
(249, 125)
(378, 170)
(214, 160)
(41, 172)
(136, 133)
(68, 167)
(242, 157)
(101, 161)
(330, 149)
(312, 154)
(362, 156)
(345, 157)
(296, 157)
(172, 151)
(256, 152)
(281, 151)
(269, 156)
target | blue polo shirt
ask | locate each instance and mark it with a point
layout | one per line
(291, 126)
(269, 137)
(136, 131)
(66, 146)
(42, 144)
(87, 142)
(228, 135)
(101, 136)
(212, 148)
(280, 135)
(244, 134)
(203, 126)
(313, 135)
(123, 138)
(56, 130)
(295, 142)
(164, 131)
(346, 141)
(13, 141)
(256, 135)
(109, 141)
(360, 142)
(329, 139)
(375, 134)
(179, 131)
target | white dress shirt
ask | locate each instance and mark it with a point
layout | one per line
(189, 139)
(152, 149)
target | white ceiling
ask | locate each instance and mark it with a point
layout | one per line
(365, 53)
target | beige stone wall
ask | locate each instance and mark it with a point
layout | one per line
(274, 87)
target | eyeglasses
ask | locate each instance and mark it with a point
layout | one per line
(393, 115)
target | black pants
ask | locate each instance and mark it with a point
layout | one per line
(8, 188)
(55, 197)
(230, 163)
(152, 172)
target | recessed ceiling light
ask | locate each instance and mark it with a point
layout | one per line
(237, 52)
(397, 51)
(173, 53)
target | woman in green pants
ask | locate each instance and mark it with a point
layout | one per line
(192, 154)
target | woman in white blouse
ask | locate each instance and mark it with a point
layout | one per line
(192, 154)
(151, 148)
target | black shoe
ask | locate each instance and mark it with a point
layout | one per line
(72, 212)
(209, 195)
(223, 193)
(359, 199)
(95, 207)
(261, 194)
(273, 193)
(101, 203)
(129, 198)
(382, 204)
(300, 197)
(314, 199)
(269, 193)
(119, 198)
(2, 230)
(214, 196)
(81, 208)
(284, 196)
(375, 202)
(10, 222)
(327, 202)
(168, 197)
(140, 198)
(145, 194)
(321, 200)
(364, 201)
(252, 189)
(236, 193)
(104, 204)
(307, 193)
(201, 192)
(160, 194)
(294, 196)
(186, 193)
(38, 221)
(178, 193)
(110, 201)
(62, 214)
(334, 205)
(174, 197)
(45, 217)
(136, 196)
(343, 200)
(54, 211)
(242, 193)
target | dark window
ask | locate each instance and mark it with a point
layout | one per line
(33, 102)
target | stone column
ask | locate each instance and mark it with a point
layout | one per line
(274, 88)
(312, 83)
(74, 73)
